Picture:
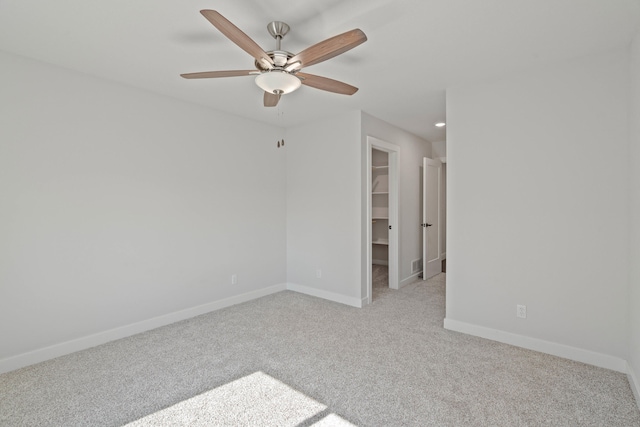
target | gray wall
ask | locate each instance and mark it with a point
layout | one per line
(634, 196)
(119, 206)
(537, 215)
(325, 214)
(323, 208)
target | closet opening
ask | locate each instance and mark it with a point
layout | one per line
(379, 221)
(382, 200)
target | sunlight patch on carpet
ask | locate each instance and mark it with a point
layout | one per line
(257, 399)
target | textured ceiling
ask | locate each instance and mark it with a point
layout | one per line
(416, 49)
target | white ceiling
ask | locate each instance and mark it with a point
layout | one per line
(415, 49)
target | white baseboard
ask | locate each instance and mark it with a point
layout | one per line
(409, 279)
(67, 347)
(634, 383)
(561, 350)
(331, 296)
(443, 256)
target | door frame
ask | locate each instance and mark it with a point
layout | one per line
(393, 151)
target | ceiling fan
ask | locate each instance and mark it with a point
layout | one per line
(278, 71)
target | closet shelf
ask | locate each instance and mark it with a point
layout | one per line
(379, 217)
(374, 167)
(379, 192)
(381, 242)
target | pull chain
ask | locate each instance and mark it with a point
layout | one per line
(279, 115)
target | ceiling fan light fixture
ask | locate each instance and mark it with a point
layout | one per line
(278, 82)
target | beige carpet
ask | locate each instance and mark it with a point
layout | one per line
(380, 281)
(389, 364)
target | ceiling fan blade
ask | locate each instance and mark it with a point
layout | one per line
(237, 36)
(271, 99)
(329, 48)
(329, 85)
(215, 74)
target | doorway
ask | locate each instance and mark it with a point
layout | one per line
(382, 215)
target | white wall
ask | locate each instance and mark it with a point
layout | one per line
(412, 150)
(439, 149)
(118, 206)
(634, 215)
(537, 215)
(323, 208)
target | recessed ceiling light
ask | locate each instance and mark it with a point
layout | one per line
(440, 124)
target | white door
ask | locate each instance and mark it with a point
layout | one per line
(431, 261)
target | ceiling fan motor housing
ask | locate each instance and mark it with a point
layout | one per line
(280, 58)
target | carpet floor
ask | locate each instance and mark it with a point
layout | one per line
(293, 360)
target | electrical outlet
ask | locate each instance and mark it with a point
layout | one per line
(234, 279)
(318, 273)
(521, 311)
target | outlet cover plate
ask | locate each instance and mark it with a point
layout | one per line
(521, 311)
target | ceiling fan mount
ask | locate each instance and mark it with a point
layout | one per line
(278, 30)
(278, 71)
